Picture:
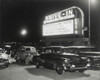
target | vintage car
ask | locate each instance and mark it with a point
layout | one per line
(93, 56)
(4, 58)
(26, 54)
(62, 59)
(87, 51)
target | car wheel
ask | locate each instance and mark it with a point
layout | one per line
(59, 69)
(81, 70)
(37, 65)
(27, 61)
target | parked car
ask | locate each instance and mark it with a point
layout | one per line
(93, 56)
(87, 51)
(26, 54)
(62, 59)
(4, 58)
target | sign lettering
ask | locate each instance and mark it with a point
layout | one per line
(66, 14)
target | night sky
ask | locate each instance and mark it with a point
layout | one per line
(18, 14)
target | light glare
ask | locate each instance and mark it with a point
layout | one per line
(92, 1)
(24, 32)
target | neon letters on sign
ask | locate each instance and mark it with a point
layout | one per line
(65, 22)
(66, 14)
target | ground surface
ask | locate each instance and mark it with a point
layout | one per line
(22, 72)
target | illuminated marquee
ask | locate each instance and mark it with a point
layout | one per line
(65, 22)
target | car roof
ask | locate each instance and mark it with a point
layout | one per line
(1, 49)
(71, 47)
(28, 46)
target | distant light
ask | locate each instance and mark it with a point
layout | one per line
(23, 32)
(7, 46)
(93, 1)
(93, 4)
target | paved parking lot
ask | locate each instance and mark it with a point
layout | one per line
(22, 72)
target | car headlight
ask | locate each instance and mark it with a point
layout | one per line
(4, 57)
(88, 65)
(29, 54)
(88, 60)
(72, 66)
(83, 57)
(66, 61)
(64, 53)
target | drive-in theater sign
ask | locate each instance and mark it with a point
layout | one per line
(66, 22)
(65, 26)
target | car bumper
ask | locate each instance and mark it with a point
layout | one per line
(74, 67)
(96, 62)
(4, 63)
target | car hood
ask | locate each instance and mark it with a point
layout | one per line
(4, 56)
(72, 58)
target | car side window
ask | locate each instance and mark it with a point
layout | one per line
(48, 51)
(27, 49)
(55, 51)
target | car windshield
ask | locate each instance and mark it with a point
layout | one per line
(56, 50)
(65, 51)
(69, 50)
(31, 49)
(27, 49)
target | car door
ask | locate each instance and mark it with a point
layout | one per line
(19, 53)
(22, 52)
(47, 60)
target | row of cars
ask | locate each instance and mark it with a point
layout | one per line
(59, 58)
(62, 59)
(23, 53)
(26, 54)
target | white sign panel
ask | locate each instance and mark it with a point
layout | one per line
(58, 28)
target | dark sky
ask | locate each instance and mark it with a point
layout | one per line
(29, 14)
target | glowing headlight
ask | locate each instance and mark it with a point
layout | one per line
(73, 66)
(64, 53)
(66, 61)
(83, 57)
(4, 56)
(29, 54)
(88, 60)
(88, 64)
